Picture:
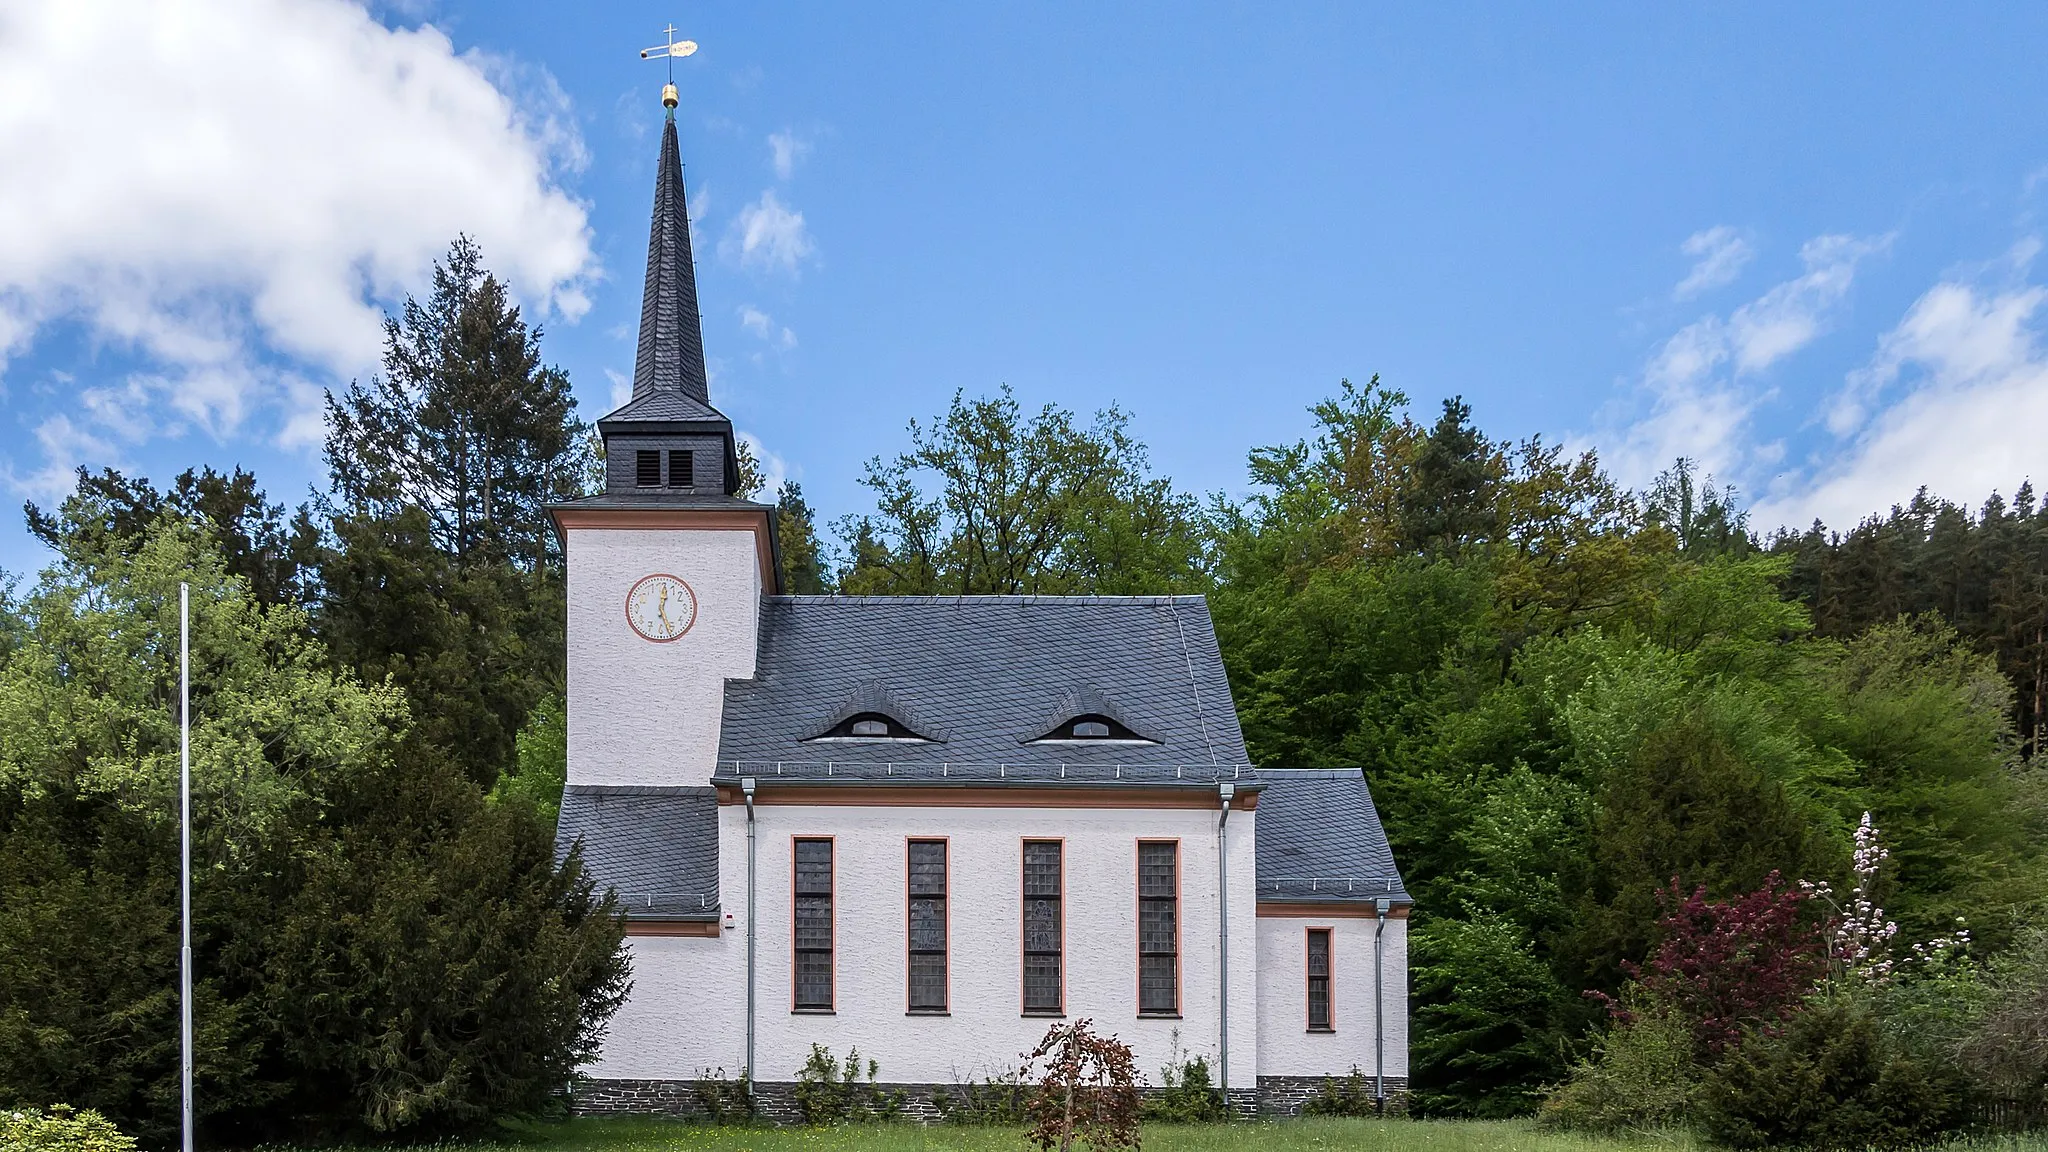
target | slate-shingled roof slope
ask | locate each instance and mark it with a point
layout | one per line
(985, 670)
(658, 847)
(671, 353)
(1321, 842)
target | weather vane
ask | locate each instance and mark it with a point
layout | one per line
(669, 51)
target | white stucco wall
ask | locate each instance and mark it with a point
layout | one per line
(686, 1011)
(647, 713)
(1286, 1046)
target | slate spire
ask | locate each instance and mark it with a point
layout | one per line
(671, 355)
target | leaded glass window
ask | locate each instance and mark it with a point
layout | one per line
(927, 925)
(1044, 928)
(1158, 928)
(1319, 980)
(813, 892)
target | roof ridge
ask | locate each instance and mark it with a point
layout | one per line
(836, 599)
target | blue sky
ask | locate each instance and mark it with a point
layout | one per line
(1796, 242)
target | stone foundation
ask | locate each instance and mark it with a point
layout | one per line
(1286, 1095)
(775, 1101)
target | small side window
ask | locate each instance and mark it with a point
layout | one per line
(647, 469)
(681, 469)
(870, 727)
(1319, 980)
(1090, 730)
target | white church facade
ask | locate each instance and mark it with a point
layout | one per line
(930, 827)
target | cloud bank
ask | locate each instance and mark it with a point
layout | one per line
(222, 191)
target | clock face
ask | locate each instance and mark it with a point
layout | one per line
(661, 608)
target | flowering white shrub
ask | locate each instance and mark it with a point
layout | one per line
(1859, 936)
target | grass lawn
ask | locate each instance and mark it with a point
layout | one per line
(655, 1135)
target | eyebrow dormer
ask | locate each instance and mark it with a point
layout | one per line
(1084, 713)
(872, 712)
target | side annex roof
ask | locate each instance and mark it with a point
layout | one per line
(657, 847)
(1321, 841)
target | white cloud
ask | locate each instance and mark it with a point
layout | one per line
(1719, 256)
(1975, 397)
(64, 445)
(622, 387)
(1699, 387)
(774, 467)
(763, 326)
(786, 150)
(219, 186)
(767, 234)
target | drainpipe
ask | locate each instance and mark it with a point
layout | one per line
(1224, 792)
(747, 790)
(1379, 1006)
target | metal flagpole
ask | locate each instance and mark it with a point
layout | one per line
(185, 844)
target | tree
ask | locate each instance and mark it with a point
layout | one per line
(464, 424)
(257, 543)
(1447, 504)
(1705, 520)
(988, 502)
(442, 571)
(803, 564)
(377, 949)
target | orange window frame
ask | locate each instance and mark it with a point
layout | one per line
(832, 927)
(1329, 978)
(1138, 940)
(1023, 903)
(945, 927)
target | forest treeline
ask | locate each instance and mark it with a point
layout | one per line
(1567, 697)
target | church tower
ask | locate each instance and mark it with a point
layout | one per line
(667, 566)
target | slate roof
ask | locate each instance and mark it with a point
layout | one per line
(986, 672)
(1321, 842)
(665, 407)
(657, 847)
(671, 353)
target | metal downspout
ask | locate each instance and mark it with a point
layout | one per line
(1379, 1006)
(747, 790)
(1224, 792)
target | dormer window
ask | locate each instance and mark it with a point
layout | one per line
(1093, 727)
(870, 726)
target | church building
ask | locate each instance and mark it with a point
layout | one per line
(930, 827)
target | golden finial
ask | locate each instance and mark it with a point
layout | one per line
(670, 51)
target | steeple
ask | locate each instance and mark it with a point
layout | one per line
(671, 355)
(668, 440)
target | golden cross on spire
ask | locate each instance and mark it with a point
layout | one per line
(669, 51)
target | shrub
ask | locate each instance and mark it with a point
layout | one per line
(1727, 964)
(1351, 1096)
(1830, 1079)
(828, 1092)
(1642, 1075)
(994, 1099)
(1186, 1095)
(2006, 1046)
(1087, 1090)
(724, 1101)
(61, 1129)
